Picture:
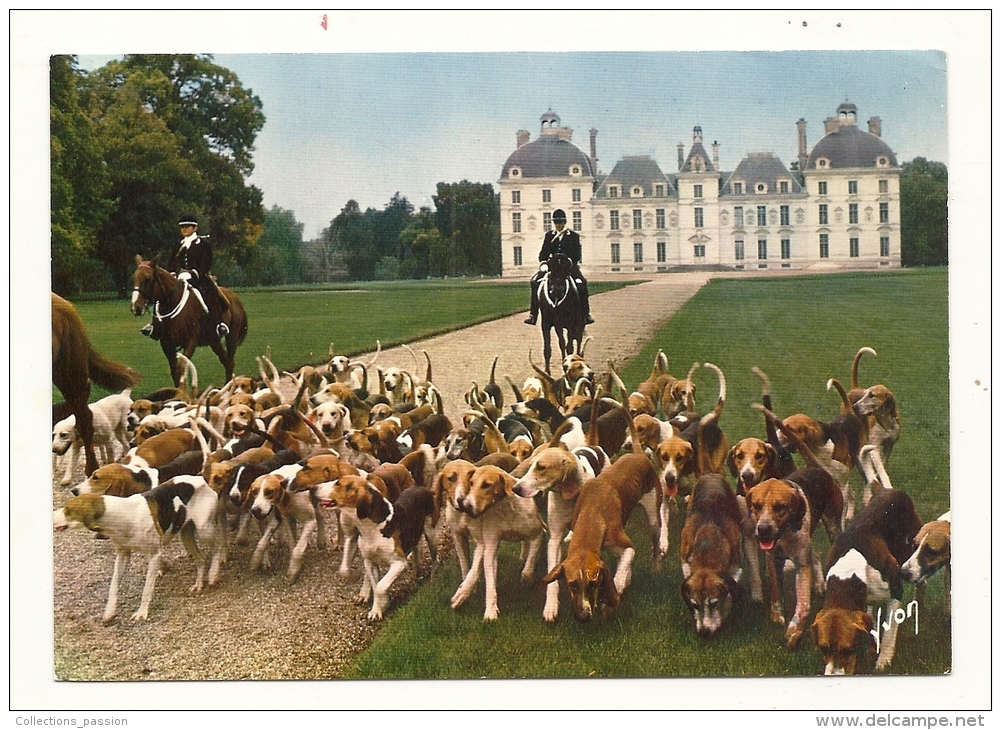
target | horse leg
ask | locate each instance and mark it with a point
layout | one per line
(547, 345)
(563, 343)
(85, 427)
(224, 355)
(171, 354)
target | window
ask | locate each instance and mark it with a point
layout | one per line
(762, 249)
(738, 250)
(698, 191)
(853, 187)
(853, 212)
(761, 188)
(575, 195)
(516, 222)
(577, 220)
(700, 251)
(822, 188)
(699, 220)
(517, 255)
(547, 196)
(658, 190)
(638, 253)
(575, 170)
(613, 220)
(613, 191)
(884, 186)
(784, 215)
(516, 197)
(637, 192)
(547, 221)
(786, 249)
(738, 217)
(738, 188)
(853, 247)
(616, 257)
(822, 210)
(661, 218)
(884, 212)
(784, 186)
(662, 251)
(884, 245)
(825, 246)
(762, 216)
(637, 219)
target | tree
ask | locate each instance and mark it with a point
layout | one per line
(278, 254)
(468, 215)
(79, 180)
(178, 133)
(416, 242)
(924, 213)
(351, 239)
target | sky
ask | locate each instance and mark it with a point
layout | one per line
(364, 126)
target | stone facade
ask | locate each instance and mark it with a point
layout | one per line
(840, 209)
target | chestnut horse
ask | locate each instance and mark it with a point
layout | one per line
(74, 365)
(559, 305)
(178, 317)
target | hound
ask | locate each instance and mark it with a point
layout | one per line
(933, 552)
(147, 523)
(110, 419)
(271, 501)
(496, 513)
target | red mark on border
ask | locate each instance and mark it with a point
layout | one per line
(323, 22)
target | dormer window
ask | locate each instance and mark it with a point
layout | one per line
(822, 163)
(760, 188)
(784, 186)
(637, 192)
(882, 162)
(613, 191)
(514, 172)
(738, 188)
(659, 191)
(575, 171)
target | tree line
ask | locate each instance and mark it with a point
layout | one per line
(148, 138)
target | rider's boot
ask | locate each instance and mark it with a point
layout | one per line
(585, 301)
(147, 331)
(533, 316)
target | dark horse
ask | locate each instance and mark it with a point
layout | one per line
(74, 365)
(179, 319)
(559, 305)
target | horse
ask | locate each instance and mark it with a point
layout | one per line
(75, 364)
(179, 317)
(559, 305)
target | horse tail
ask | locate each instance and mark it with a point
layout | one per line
(110, 375)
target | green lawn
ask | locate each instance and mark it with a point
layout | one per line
(800, 331)
(300, 325)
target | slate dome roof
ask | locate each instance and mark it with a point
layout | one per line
(548, 156)
(849, 146)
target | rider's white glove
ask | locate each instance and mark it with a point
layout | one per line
(544, 266)
(184, 276)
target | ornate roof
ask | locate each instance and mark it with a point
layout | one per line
(629, 172)
(548, 156)
(762, 168)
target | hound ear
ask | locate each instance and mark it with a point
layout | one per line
(555, 574)
(798, 514)
(608, 594)
(890, 404)
(364, 508)
(863, 622)
(772, 454)
(731, 462)
(569, 491)
(733, 587)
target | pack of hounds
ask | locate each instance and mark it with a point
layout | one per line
(562, 465)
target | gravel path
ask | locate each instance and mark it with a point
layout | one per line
(257, 626)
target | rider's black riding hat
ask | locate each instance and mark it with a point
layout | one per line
(559, 216)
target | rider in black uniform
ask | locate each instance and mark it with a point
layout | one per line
(565, 241)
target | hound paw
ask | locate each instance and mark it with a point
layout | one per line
(491, 614)
(196, 588)
(375, 615)
(360, 599)
(777, 616)
(140, 615)
(459, 598)
(107, 618)
(550, 612)
(793, 634)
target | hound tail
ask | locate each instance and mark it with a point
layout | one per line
(718, 410)
(808, 456)
(634, 436)
(858, 356)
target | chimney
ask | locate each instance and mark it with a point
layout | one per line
(831, 124)
(681, 156)
(697, 135)
(716, 155)
(801, 128)
(594, 151)
(564, 133)
(876, 126)
(523, 135)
